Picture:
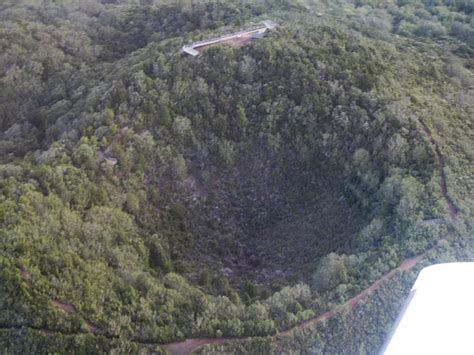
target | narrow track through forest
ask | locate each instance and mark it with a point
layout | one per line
(451, 208)
(187, 346)
(231, 176)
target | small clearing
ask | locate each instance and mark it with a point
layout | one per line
(68, 308)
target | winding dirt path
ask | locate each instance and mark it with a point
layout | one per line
(187, 346)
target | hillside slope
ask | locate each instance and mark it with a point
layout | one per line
(149, 196)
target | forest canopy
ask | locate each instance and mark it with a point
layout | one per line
(148, 196)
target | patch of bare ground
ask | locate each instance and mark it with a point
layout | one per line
(451, 208)
(26, 276)
(47, 333)
(65, 307)
(68, 308)
(189, 345)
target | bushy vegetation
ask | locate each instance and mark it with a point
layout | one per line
(148, 197)
(361, 330)
(364, 329)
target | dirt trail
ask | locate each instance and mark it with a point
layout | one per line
(68, 308)
(450, 206)
(187, 346)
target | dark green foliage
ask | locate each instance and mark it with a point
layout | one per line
(159, 258)
(148, 196)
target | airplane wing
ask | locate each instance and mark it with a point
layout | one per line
(438, 316)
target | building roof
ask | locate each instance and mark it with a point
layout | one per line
(236, 38)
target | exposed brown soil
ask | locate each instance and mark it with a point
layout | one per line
(68, 308)
(26, 276)
(310, 322)
(351, 303)
(450, 206)
(187, 346)
(47, 333)
(65, 307)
